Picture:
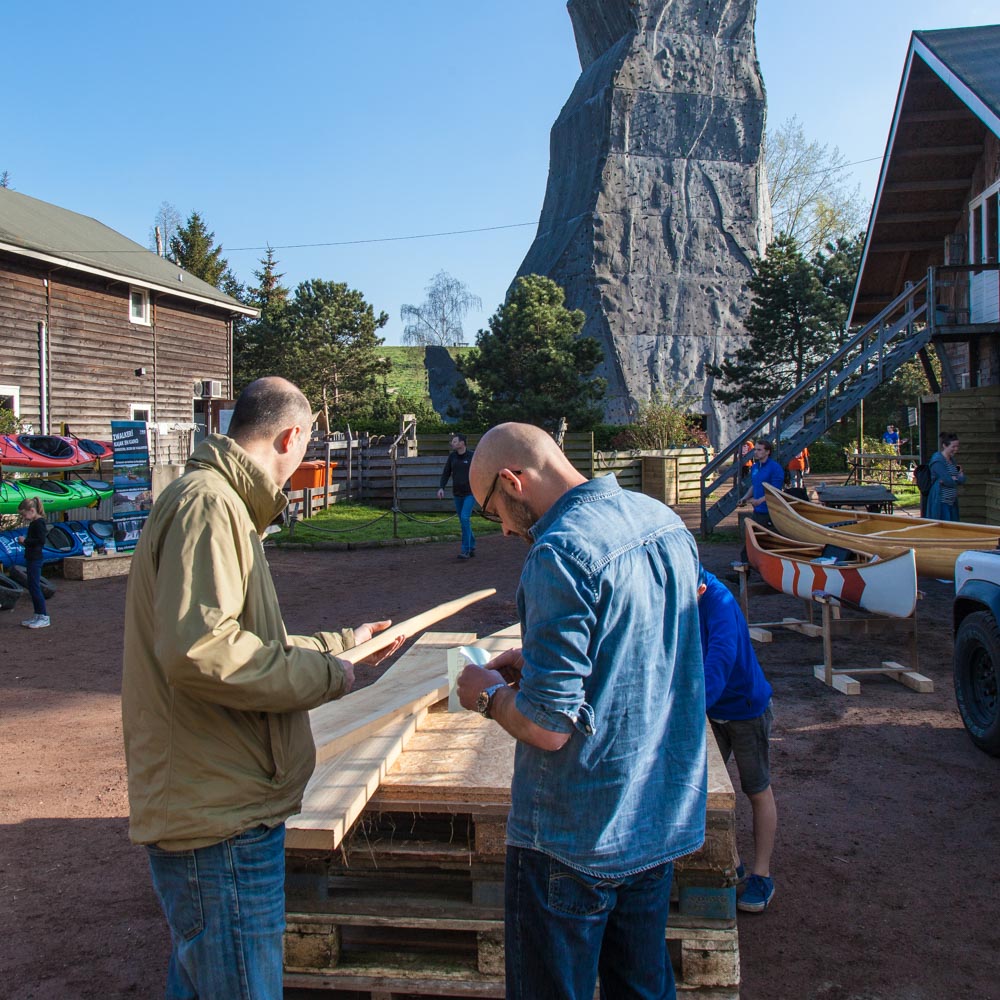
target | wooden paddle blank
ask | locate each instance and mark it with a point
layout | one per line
(412, 626)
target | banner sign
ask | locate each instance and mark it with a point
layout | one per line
(133, 481)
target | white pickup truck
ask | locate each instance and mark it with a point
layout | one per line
(975, 616)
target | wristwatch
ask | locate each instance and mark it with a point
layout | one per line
(485, 698)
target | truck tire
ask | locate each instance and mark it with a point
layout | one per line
(977, 679)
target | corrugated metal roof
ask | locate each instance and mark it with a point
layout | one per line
(973, 55)
(47, 231)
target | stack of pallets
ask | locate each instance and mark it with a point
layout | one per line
(409, 902)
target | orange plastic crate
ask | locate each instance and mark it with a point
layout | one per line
(311, 475)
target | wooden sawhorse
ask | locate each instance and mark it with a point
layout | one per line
(831, 623)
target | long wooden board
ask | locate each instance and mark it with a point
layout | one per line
(411, 626)
(418, 679)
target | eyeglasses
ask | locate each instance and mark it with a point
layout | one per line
(488, 514)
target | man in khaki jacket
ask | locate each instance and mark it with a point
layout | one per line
(215, 695)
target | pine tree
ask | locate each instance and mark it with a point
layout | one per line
(532, 365)
(191, 248)
(259, 344)
(792, 328)
(331, 347)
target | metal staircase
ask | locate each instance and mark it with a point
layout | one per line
(872, 356)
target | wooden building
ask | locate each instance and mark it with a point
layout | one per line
(95, 328)
(935, 226)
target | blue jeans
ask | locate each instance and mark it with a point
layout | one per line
(225, 905)
(463, 507)
(563, 929)
(33, 567)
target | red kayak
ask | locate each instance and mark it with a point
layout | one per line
(46, 451)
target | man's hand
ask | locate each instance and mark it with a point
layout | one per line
(364, 632)
(440, 494)
(508, 664)
(473, 680)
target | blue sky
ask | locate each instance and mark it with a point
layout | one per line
(326, 122)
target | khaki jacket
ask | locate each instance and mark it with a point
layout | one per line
(215, 692)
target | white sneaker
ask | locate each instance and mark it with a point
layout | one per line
(28, 622)
(40, 621)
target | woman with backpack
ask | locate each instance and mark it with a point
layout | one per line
(946, 477)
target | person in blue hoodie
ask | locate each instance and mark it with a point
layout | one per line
(738, 704)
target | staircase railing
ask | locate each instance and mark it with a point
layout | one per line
(864, 362)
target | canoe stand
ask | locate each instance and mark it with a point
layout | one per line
(831, 623)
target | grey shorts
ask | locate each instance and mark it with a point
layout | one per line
(748, 742)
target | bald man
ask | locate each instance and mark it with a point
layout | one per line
(606, 701)
(215, 699)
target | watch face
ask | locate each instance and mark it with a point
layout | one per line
(482, 702)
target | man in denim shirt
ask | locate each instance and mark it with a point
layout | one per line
(606, 700)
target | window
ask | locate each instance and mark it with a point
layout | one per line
(10, 406)
(984, 248)
(140, 411)
(138, 306)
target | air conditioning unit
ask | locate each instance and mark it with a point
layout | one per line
(208, 388)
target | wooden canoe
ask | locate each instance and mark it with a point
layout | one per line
(881, 584)
(936, 544)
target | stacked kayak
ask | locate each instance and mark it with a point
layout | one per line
(55, 495)
(59, 543)
(47, 451)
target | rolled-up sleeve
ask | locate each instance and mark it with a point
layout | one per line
(557, 614)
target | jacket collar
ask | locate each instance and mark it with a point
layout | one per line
(221, 454)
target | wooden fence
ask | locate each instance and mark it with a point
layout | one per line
(363, 470)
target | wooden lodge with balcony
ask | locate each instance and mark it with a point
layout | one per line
(935, 223)
(929, 278)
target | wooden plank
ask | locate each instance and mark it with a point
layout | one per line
(911, 678)
(416, 681)
(411, 626)
(341, 786)
(761, 634)
(840, 682)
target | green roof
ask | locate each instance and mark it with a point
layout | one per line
(42, 231)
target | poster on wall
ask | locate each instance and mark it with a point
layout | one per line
(133, 481)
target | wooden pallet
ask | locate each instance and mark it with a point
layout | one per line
(407, 899)
(362, 938)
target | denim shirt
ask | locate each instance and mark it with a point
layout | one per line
(612, 655)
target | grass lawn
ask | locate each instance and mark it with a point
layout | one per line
(353, 523)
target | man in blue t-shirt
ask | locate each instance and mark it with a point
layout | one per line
(738, 704)
(765, 470)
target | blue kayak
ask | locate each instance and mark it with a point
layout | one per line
(59, 543)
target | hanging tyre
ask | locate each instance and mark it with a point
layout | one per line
(977, 679)
(10, 593)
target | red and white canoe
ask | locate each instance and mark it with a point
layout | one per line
(48, 451)
(884, 584)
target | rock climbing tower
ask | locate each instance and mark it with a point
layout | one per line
(656, 204)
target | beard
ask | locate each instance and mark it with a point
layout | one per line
(521, 517)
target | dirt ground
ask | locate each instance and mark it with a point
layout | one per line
(886, 864)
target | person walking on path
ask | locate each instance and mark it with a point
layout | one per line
(32, 513)
(765, 470)
(946, 477)
(605, 699)
(215, 700)
(456, 468)
(738, 703)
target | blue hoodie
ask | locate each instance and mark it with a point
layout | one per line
(735, 686)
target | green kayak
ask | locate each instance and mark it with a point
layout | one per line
(54, 494)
